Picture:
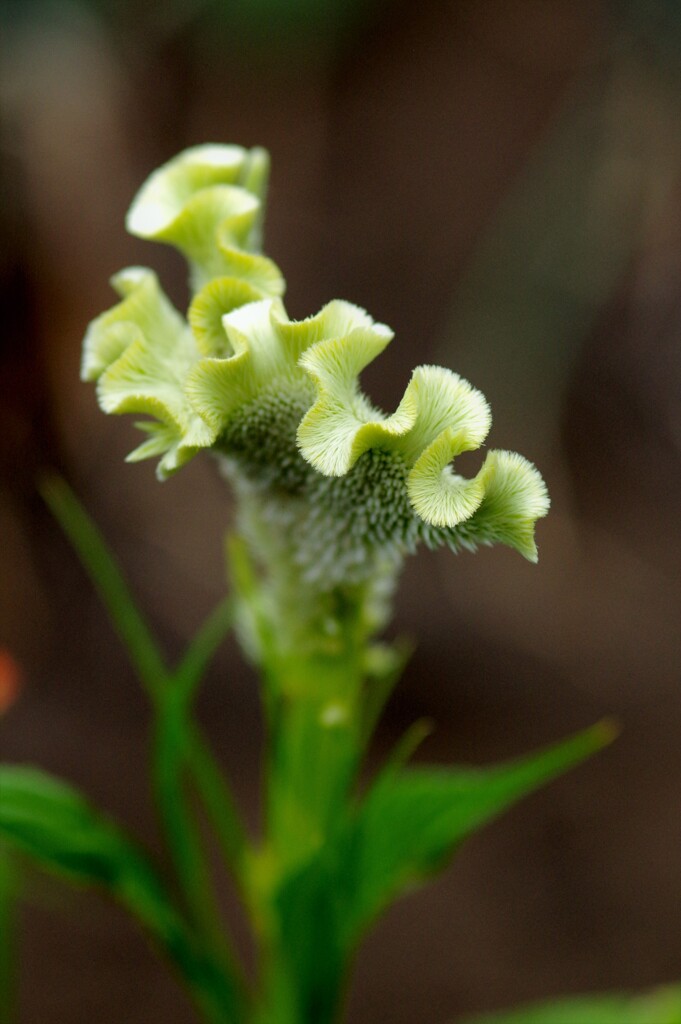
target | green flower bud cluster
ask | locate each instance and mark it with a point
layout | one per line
(328, 481)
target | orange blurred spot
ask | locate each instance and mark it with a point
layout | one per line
(10, 681)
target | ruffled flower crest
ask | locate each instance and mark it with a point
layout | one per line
(281, 399)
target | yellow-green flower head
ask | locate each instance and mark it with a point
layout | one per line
(280, 400)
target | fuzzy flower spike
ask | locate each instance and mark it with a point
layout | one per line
(328, 484)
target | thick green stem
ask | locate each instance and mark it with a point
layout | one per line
(313, 748)
(314, 744)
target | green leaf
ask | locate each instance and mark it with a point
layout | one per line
(662, 1006)
(383, 668)
(102, 569)
(310, 913)
(146, 657)
(189, 673)
(174, 732)
(8, 894)
(50, 822)
(410, 823)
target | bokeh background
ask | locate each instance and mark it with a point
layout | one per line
(500, 181)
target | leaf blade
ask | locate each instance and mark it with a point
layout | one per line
(410, 823)
(405, 828)
(51, 823)
(661, 1006)
(109, 581)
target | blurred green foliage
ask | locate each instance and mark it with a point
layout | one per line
(259, 24)
(662, 1006)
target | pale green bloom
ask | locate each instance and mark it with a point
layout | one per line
(330, 482)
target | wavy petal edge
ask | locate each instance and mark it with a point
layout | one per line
(207, 202)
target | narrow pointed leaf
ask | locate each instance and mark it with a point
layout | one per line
(146, 658)
(50, 822)
(662, 1006)
(8, 895)
(408, 826)
(109, 581)
(411, 823)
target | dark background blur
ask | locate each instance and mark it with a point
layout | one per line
(499, 181)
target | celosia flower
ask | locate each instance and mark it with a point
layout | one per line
(326, 475)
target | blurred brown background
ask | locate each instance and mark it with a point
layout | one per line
(500, 181)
